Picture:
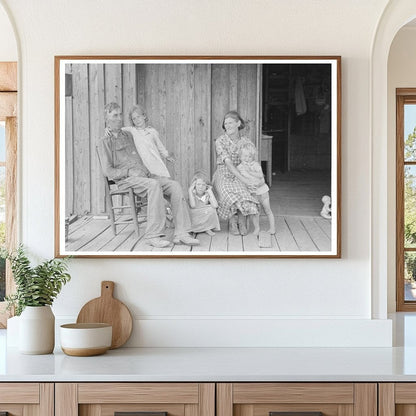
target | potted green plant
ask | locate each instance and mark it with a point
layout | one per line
(36, 289)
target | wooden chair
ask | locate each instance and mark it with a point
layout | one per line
(134, 204)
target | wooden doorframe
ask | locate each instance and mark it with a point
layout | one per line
(8, 113)
(259, 107)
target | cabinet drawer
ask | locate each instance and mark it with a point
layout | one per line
(173, 399)
(21, 399)
(19, 393)
(268, 399)
(138, 393)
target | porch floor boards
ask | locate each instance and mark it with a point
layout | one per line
(292, 234)
(295, 199)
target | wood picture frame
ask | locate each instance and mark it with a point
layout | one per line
(290, 107)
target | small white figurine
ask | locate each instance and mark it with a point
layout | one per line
(326, 209)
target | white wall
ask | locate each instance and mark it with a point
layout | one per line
(8, 46)
(212, 301)
(401, 74)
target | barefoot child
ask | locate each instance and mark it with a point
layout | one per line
(251, 169)
(203, 206)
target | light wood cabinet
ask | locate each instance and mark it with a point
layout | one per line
(27, 399)
(208, 399)
(105, 399)
(397, 399)
(262, 399)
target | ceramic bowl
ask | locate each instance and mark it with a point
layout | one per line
(84, 340)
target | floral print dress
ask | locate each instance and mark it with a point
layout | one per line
(233, 194)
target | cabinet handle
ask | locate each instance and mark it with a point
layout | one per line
(295, 413)
(139, 414)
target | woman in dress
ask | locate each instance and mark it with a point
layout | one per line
(235, 199)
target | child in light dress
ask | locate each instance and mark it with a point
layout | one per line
(203, 206)
(147, 142)
(251, 169)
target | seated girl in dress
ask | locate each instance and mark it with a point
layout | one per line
(203, 206)
(251, 169)
(147, 142)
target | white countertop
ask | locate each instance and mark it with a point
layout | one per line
(215, 364)
(222, 364)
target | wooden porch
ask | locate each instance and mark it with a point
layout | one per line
(295, 199)
(293, 233)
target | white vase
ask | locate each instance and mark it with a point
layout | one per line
(37, 330)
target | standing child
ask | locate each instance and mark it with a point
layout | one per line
(203, 205)
(251, 169)
(147, 142)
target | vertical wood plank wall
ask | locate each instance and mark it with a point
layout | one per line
(81, 140)
(185, 103)
(97, 124)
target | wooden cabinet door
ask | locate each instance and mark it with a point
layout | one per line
(106, 399)
(397, 399)
(297, 399)
(26, 399)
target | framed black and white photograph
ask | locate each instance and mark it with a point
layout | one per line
(198, 156)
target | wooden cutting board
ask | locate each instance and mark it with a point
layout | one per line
(108, 310)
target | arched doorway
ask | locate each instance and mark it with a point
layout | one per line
(395, 16)
(401, 96)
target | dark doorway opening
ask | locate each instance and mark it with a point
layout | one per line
(297, 115)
